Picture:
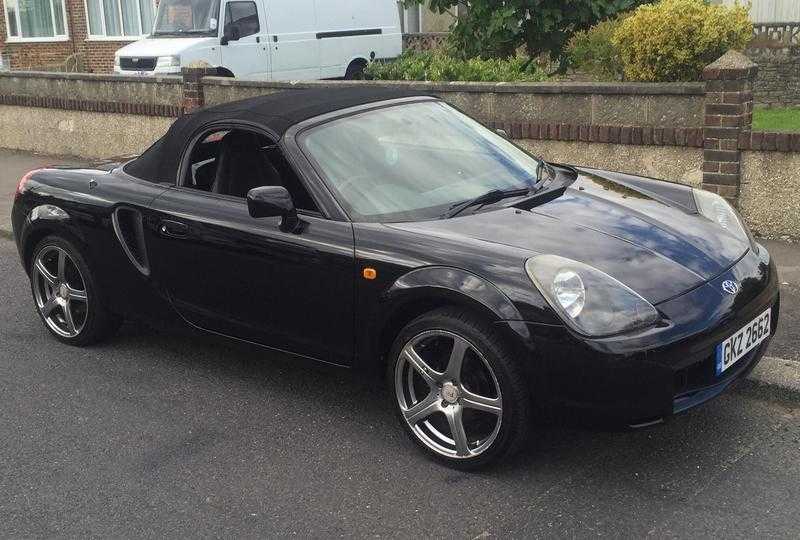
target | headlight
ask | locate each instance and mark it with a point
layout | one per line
(168, 61)
(590, 301)
(718, 210)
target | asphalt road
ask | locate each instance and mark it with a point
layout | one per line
(175, 434)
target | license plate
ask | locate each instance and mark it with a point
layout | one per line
(742, 342)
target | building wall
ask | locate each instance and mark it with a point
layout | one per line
(437, 22)
(421, 19)
(767, 11)
(95, 56)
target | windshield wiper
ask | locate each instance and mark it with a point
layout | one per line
(493, 196)
(543, 166)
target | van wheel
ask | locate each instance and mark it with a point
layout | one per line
(355, 71)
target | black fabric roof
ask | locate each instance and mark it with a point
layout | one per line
(275, 112)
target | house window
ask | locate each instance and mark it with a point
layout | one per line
(36, 19)
(119, 18)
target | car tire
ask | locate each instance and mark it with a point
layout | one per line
(62, 283)
(447, 394)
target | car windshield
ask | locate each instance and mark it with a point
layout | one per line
(414, 161)
(187, 17)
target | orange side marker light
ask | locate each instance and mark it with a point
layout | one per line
(369, 273)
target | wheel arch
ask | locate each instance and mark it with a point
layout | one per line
(357, 60)
(47, 220)
(423, 290)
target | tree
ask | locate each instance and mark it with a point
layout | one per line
(497, 28)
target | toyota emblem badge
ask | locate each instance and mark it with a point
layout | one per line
(730, 287)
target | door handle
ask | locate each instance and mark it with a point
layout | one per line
(173, 229)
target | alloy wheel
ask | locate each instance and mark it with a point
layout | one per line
(448, 394)
(60, 292)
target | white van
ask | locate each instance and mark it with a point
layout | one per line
(267, 39)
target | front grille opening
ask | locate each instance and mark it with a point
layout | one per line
(701, 373)
(130, 233)
(137, 64)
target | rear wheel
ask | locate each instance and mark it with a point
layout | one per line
(355, 71)
(66, 294)
(457, 389)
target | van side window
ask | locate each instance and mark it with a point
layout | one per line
(243, 16)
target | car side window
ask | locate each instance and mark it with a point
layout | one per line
(243, 16)
(234, 161)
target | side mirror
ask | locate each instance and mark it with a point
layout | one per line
(231, 33)
(273, 201)
(502, 133)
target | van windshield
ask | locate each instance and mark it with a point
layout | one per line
(187, 17)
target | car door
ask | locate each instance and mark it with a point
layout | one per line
(244, 49)
(232, 274)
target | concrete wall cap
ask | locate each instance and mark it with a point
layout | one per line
(731, 65)
(96, 77)
(483, 87)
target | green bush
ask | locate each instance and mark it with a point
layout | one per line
(592, 51)
(441, 66)
(674, 40)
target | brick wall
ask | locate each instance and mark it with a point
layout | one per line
(91, 56)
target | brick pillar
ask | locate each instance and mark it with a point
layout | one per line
(193, 74)
(728, 113)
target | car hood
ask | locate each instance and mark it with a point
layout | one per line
(162, 46)
(657, 247)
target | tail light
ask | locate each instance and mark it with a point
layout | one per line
(23, 181)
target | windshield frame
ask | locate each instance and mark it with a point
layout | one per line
(297, 133)
(215, 4)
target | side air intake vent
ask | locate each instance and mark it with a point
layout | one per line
(130, 233)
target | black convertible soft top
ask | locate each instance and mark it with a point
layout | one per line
(274, 112)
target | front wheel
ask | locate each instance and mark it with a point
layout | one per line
(457, 389)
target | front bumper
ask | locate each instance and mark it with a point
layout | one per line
(157, 72)
(647, 377)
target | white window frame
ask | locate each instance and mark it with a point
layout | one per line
(46, 39)
(103, 36)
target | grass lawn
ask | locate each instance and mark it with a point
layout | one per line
(787, 119)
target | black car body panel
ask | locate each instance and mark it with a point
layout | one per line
(303, 293)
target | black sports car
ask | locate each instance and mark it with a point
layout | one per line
(375, 229)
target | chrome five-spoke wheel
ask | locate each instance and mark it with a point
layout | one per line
(60, 292)
(448, 394)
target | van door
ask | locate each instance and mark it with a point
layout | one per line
(243, 45)
(293, 39)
